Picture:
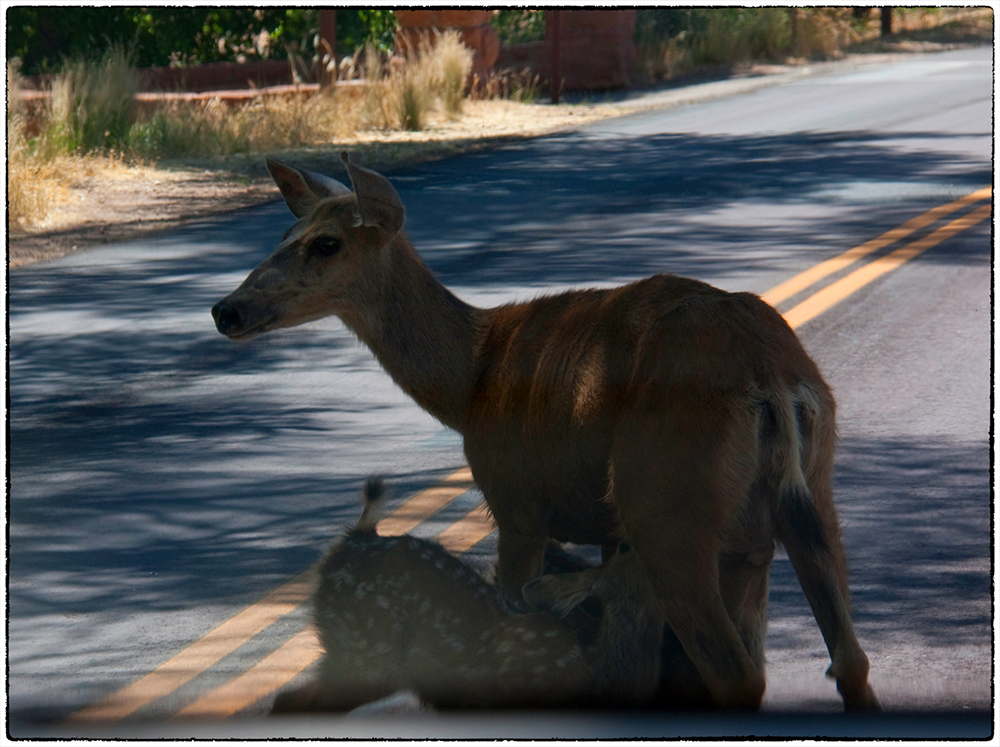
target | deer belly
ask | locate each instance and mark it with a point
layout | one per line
(587, 522)
(541, 492)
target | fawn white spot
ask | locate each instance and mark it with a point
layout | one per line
(551, 633)
(342, 576)
(382, 601)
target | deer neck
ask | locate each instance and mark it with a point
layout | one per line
(421, 333)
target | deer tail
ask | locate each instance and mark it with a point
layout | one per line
(373, 493)
(796, 514)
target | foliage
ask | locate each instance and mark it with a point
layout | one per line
(43, 36)
(728, 35)
(672, 41)
(356, 28)
(515, 26)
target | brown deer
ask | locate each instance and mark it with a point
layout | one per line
(401, 613)
(683, 418)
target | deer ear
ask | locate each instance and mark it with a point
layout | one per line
(560, 593)
(302, 189)
(378, 202)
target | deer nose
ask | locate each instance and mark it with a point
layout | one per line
(227, 317)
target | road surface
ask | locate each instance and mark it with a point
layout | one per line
(168, 487)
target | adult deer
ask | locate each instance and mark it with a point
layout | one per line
(682, 418)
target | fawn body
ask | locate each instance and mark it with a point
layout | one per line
(397, 613)
(683, 418)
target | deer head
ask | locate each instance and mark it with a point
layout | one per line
(326, 260)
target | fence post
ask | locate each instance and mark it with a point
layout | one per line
(552, 29)
(328, 42)
(886, 20)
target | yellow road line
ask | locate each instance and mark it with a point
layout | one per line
(803, 280)
(230, 635)
(832, 294)
(416, 510)
(467, 531)
(270, 673)
(201, 654)
(284, 664)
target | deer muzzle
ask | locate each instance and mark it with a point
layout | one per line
(233, 321)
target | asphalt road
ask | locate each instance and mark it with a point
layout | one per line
(163, 478)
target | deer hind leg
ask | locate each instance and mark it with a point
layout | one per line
(806, 524)
(744, 582)
(678, 480)
(814, 550)
(812, 539)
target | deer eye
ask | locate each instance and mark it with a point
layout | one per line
(324, 246)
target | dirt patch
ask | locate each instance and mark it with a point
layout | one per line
(104, 201)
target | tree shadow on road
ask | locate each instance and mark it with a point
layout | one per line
(916, 517)
(578, 209)
(155, 465)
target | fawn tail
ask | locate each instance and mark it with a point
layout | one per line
(373, 493)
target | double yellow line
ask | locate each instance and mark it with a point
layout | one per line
(281, 666)
(303, 649)
(822, 300)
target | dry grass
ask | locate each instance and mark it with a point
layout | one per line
(822, 32)
(90, 113)
(31, 179)
(401, 94)
(213, 128)
(91, 105)
(413, 86)
(100, 199)
(509, 84)
(730, 36)
(455, 60)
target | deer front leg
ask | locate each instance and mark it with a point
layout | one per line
(519, 560)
